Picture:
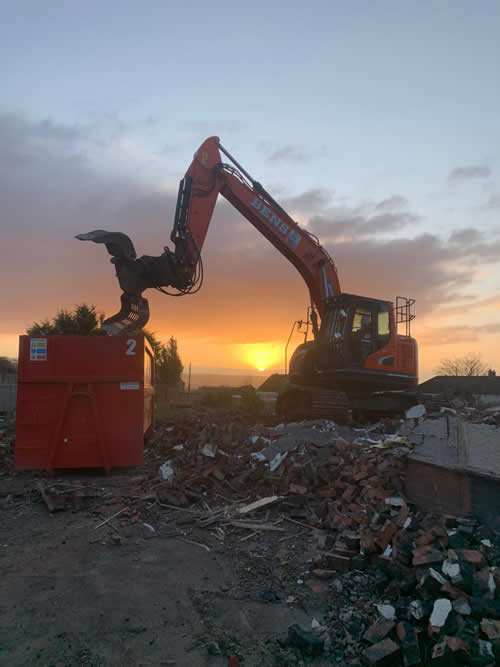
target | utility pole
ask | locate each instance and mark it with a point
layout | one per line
(189, 379)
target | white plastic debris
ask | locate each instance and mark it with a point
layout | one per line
(415, 412)
(486, 543)
(258, 456)
(387, 611)
(167, 471)
(449, 411)
(395, 502)
(407, 523)
(388, 551)
(179, 448)
(451, 570)
(437, 576)
(209, 450)
(442, 608)
(491, 584)
(277, 460)
(300, 581)
(315, 624)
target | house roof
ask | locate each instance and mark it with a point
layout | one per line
(462, 384)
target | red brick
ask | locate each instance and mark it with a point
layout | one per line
(324, 574)
(379, 630)
(386, 534)
(327, 493)
(452, 591)
(471, 556)
(350, 493)
(409, 644)
(427, 555)
(296, 489)
(338, 562)
(385, 652)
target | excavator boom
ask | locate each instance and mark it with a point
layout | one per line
(181, 269)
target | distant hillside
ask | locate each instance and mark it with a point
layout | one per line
(223, 379)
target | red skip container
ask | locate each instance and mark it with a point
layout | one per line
(83, 401)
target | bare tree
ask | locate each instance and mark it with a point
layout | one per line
(468, 365)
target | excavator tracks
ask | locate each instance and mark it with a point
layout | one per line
(328, 404)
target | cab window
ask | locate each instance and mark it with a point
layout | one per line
(362, 322)
(383, 322)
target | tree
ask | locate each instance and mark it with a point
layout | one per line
(469, 365)
(168, 366)
(7, 366)
(83, 320)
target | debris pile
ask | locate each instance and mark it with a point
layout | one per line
(435, 578)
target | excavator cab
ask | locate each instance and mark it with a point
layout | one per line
(358, 348)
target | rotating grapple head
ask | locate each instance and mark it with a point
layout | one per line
(134, 275)
(134, 312)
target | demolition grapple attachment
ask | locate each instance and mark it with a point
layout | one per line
(134, 312)
(136, 275)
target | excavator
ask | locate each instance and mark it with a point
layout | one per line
(362, 357)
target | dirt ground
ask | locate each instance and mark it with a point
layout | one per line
(70, 596)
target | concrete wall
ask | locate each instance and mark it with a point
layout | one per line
(455, 468)
(486, 400)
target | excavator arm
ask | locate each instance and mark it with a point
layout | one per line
(181, 269)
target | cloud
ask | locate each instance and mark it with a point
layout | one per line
(465, 236)
(348, 222)
(394, 202)
(452, 335)
(308, 202)
(50, 191)
(290, 153)
(493, 202)
(470, 172)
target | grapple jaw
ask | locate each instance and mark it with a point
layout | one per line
(136, 275)
(134, 312)
(133, 316)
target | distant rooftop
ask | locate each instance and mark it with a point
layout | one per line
(463, 384)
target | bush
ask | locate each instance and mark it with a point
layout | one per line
(222, 398)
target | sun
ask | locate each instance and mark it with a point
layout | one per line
(261, 356)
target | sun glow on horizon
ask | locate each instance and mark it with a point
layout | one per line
(261, 356)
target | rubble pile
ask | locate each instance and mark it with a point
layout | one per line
(7, 429)
(435, 577)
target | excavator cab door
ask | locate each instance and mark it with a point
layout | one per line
(368, 329)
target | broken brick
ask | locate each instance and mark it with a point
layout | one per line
(386, 534)
(450, 649)
(379, 630)
(296, 489)
(409, 644)
(380, 654)
(324, 574)
(483, 584)
(472, 556)
(491, 628)
(426, 555)
(338, 562)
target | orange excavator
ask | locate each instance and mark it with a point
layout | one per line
(358, 358)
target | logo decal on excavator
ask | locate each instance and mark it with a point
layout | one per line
(293, 237)
(204, 158)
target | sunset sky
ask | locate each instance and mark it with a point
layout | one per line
(375, 124)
